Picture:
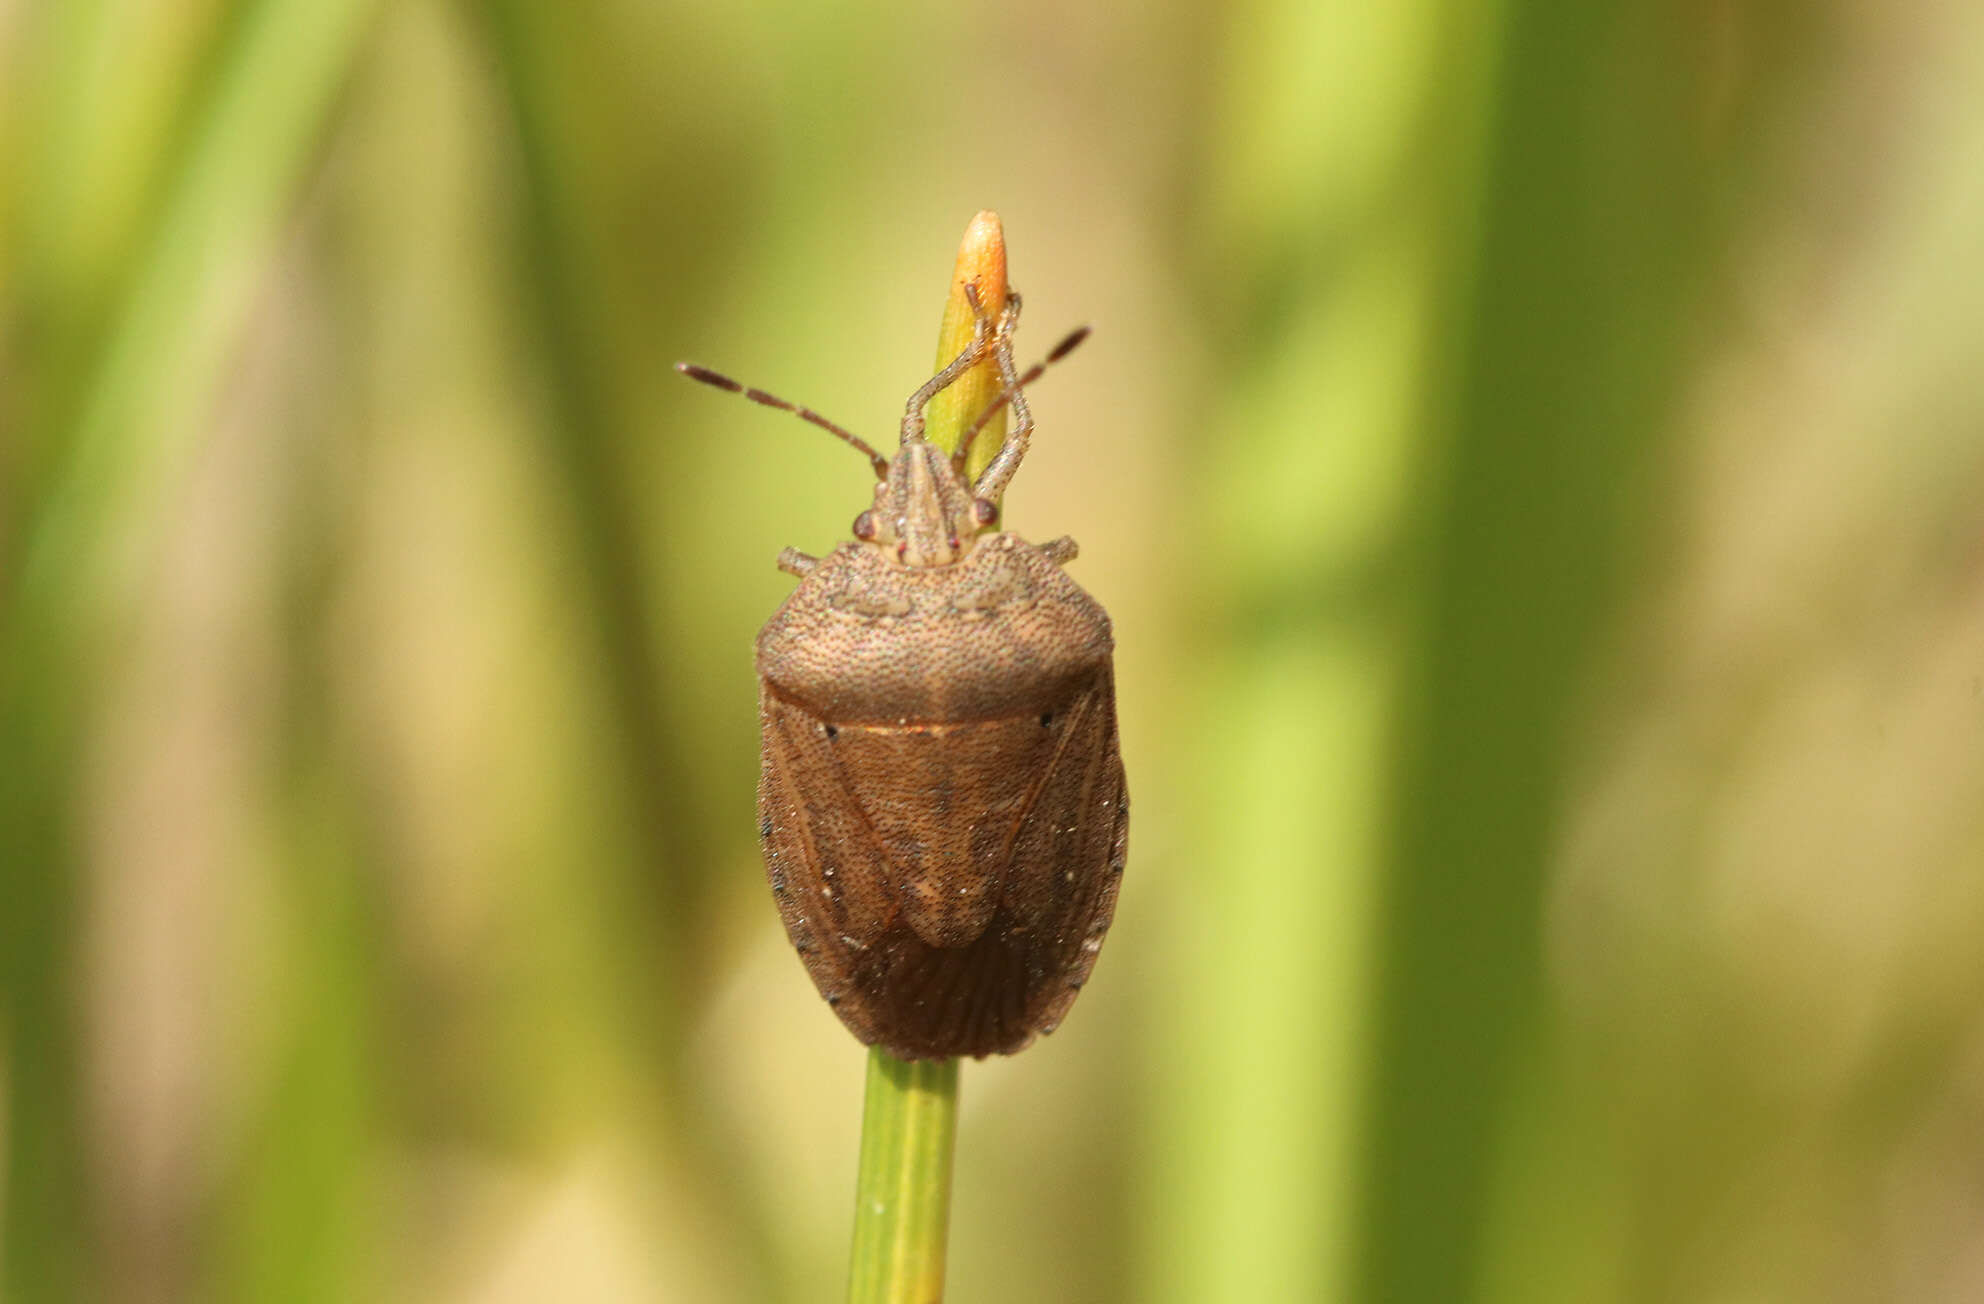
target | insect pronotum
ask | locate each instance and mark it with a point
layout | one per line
(941, 797)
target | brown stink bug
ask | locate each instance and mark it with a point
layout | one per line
(941, 796)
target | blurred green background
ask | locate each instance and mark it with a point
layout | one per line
(1531, 452)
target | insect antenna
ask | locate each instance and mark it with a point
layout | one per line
(723, 382)
(1006, 395)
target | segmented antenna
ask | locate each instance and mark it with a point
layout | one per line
(1033, 373)
(723, 382)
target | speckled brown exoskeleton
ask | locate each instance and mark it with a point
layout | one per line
(941, 799)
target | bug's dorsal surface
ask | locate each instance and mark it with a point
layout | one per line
(941, 798)
(942, 793)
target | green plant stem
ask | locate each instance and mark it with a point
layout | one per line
(902, 1198)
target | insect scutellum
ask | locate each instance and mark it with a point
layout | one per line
(925, 512)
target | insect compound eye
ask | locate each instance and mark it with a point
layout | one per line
(864, 527)
(985, 512)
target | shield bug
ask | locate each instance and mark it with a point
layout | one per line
(941, 797)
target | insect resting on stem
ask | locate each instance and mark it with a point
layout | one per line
(941, 798)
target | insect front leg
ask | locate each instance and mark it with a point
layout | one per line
(794, 562)
(912, 417)
(992, 484)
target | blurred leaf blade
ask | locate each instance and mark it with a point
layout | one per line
(1567, 376)
(118, 441)
(1336, 312)
(193, 281)
(585, 329)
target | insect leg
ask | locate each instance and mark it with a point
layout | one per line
(1061, 551)
(794, 562)
(992, 484)
(912, 417)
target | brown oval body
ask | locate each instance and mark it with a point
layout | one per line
(941, 800)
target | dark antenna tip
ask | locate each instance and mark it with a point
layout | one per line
(1067, 346)
(708, 377)
(1033, 373)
